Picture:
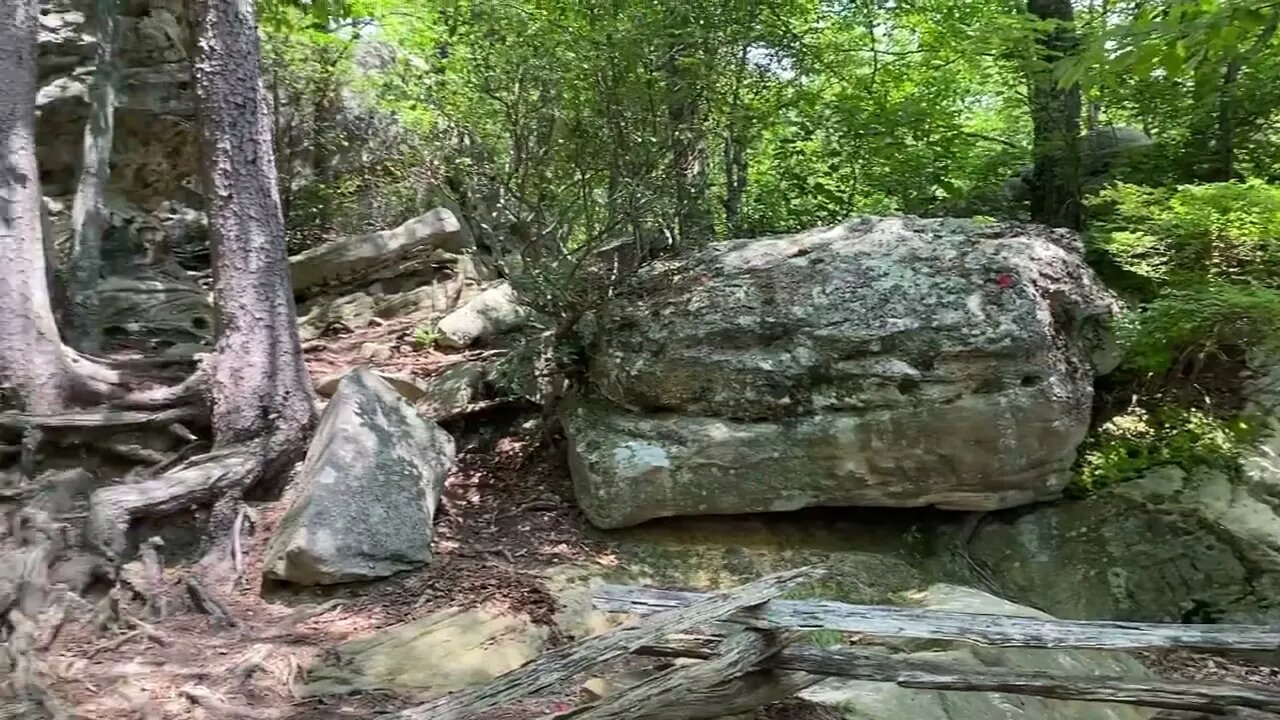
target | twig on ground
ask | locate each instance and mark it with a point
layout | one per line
(237, 555)
(207, 603)
(299, 616)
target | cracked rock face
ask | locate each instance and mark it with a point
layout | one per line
(154, 153)
(883, 362)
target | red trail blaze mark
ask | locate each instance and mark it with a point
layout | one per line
(1004, 280)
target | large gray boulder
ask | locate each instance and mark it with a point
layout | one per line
(883, 362)
(338, 260)
(369, 489)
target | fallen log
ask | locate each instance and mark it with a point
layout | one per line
(680, 692)
(995, 630)
(560, 665)
(926, 674)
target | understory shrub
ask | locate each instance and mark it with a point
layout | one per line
(1202, 263)
(1134, 442)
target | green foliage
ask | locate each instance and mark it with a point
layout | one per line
(1185, 324)
(425, 337)
(1134, 442)
(1204, 262)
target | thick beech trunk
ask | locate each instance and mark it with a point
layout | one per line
(32, 365)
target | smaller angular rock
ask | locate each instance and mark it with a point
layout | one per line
(370, 486)
(496, 311)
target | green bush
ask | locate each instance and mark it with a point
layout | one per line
(1203, 262)
(1136, 441)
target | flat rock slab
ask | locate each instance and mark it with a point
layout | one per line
(369, 489)
(437, 654)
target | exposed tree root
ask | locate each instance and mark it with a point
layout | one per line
(299, 616)
(237, 554)
(218, 707)
(104, 418)
(124, 383)
(153, 569)
(201, 481)
(209, 603)
(135, 453)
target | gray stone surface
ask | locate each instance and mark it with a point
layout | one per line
(451, 390)
(367, 492)
(336, 260)
(1177, 545)
(885, 361)
(495, 311)
(154, 150)
(884, 701)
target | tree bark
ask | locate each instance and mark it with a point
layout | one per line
(1224, 148)
(262, 397)
(88, 211)
(688, 150)
(1055, 115)
(32, 363)
(259, 380)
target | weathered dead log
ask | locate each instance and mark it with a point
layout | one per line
(564, 663)
(997, 630)
(926, 674)
(681, 692)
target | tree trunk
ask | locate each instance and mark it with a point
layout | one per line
(32, 364)
(1223, 167)
(1055, 115)
(688, 151)
(260, 385)
(88, 211)
(263, 405)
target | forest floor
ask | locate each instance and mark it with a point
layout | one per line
(507, 513)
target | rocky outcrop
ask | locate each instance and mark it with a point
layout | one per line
(154, 151)
(885, 701)
(339, 260)
(883, 362)
(1171, 547)
(1177, 545)
(425, 288)
(368, 490)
